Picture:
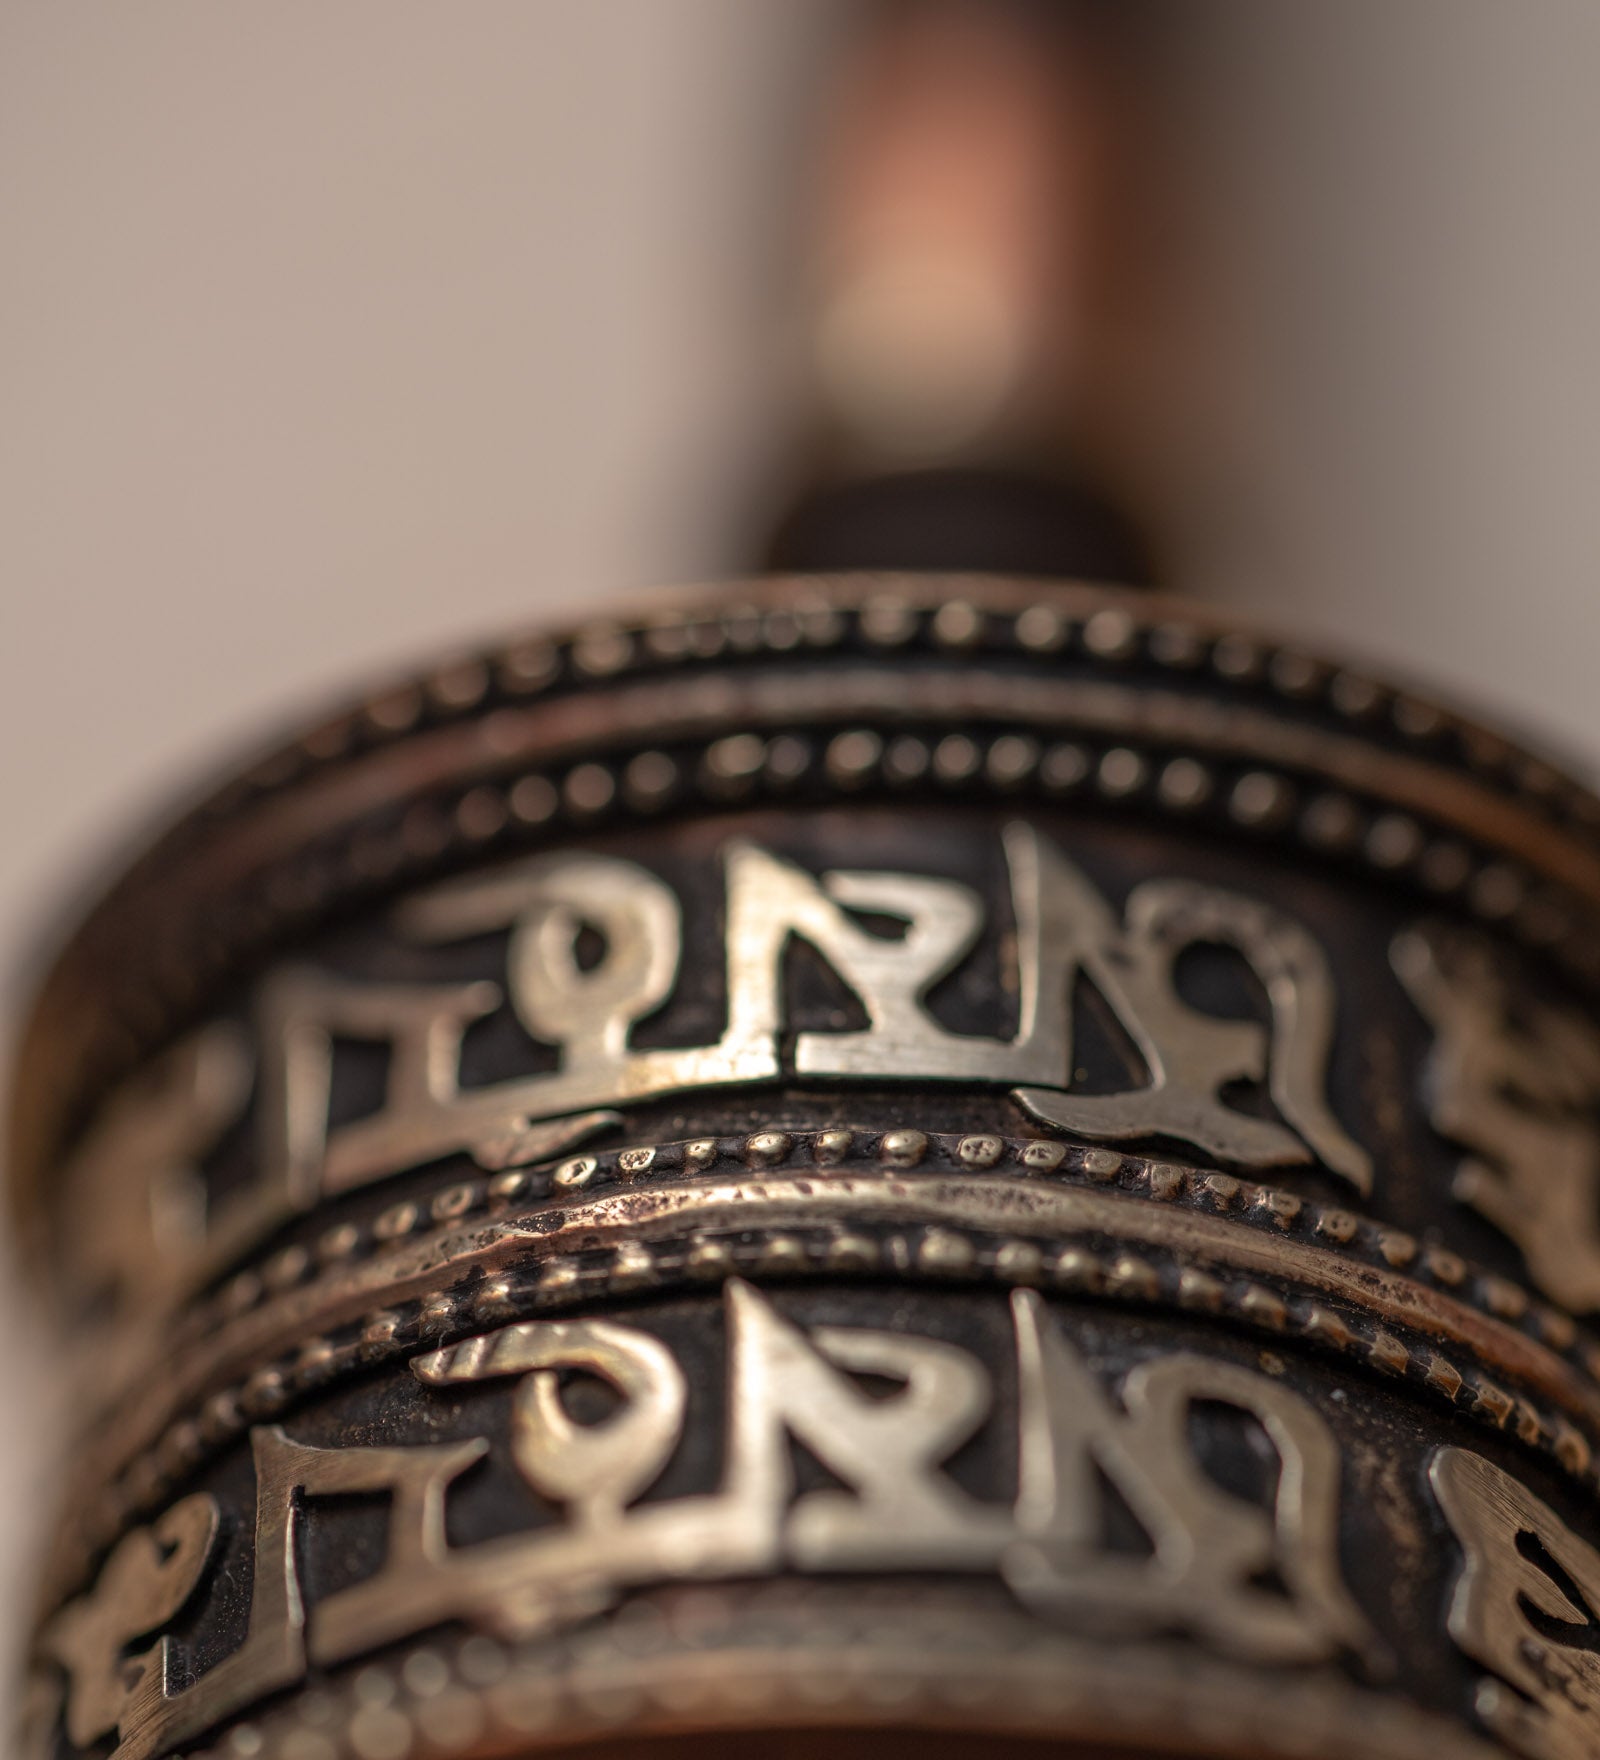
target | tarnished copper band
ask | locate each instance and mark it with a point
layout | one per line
(1207, 1264)
(259, 860)
(566, 1602)
(888, 1156)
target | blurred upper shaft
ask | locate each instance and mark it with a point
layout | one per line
(964, 201)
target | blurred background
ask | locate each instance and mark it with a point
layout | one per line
(335, 333)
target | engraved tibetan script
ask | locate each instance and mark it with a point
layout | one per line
(1525, 1607)
(594, 948)
(1519, 1090)
(1255, 1576)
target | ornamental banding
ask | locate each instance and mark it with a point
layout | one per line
(1253, 1577)
(595, 947)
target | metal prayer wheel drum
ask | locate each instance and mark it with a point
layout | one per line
(925, 1159)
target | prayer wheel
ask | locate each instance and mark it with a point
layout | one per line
(882, 1159)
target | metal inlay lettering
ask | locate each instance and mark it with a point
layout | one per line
(1519, 1090)
(1520, 1561)
(1259, 1581)
(888, 938)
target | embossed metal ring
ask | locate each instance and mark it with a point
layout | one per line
(864, 1153)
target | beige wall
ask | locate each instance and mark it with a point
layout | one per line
(332, 331)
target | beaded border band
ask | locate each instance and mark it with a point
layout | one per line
(1288, 1271)
(443, 763)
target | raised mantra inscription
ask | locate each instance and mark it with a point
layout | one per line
(1519, 1090)
(1526, 1606)
(1259, 1581)
(142, 1160)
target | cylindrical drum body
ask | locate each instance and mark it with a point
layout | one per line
(926, 1159)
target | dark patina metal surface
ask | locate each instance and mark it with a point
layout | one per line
(876, 1154)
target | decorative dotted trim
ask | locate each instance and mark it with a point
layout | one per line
(961, 1667)
(872, 615)
(931, 1252)
(750, 767)
(961, 615)
(487, 819)
(1265, 1208)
